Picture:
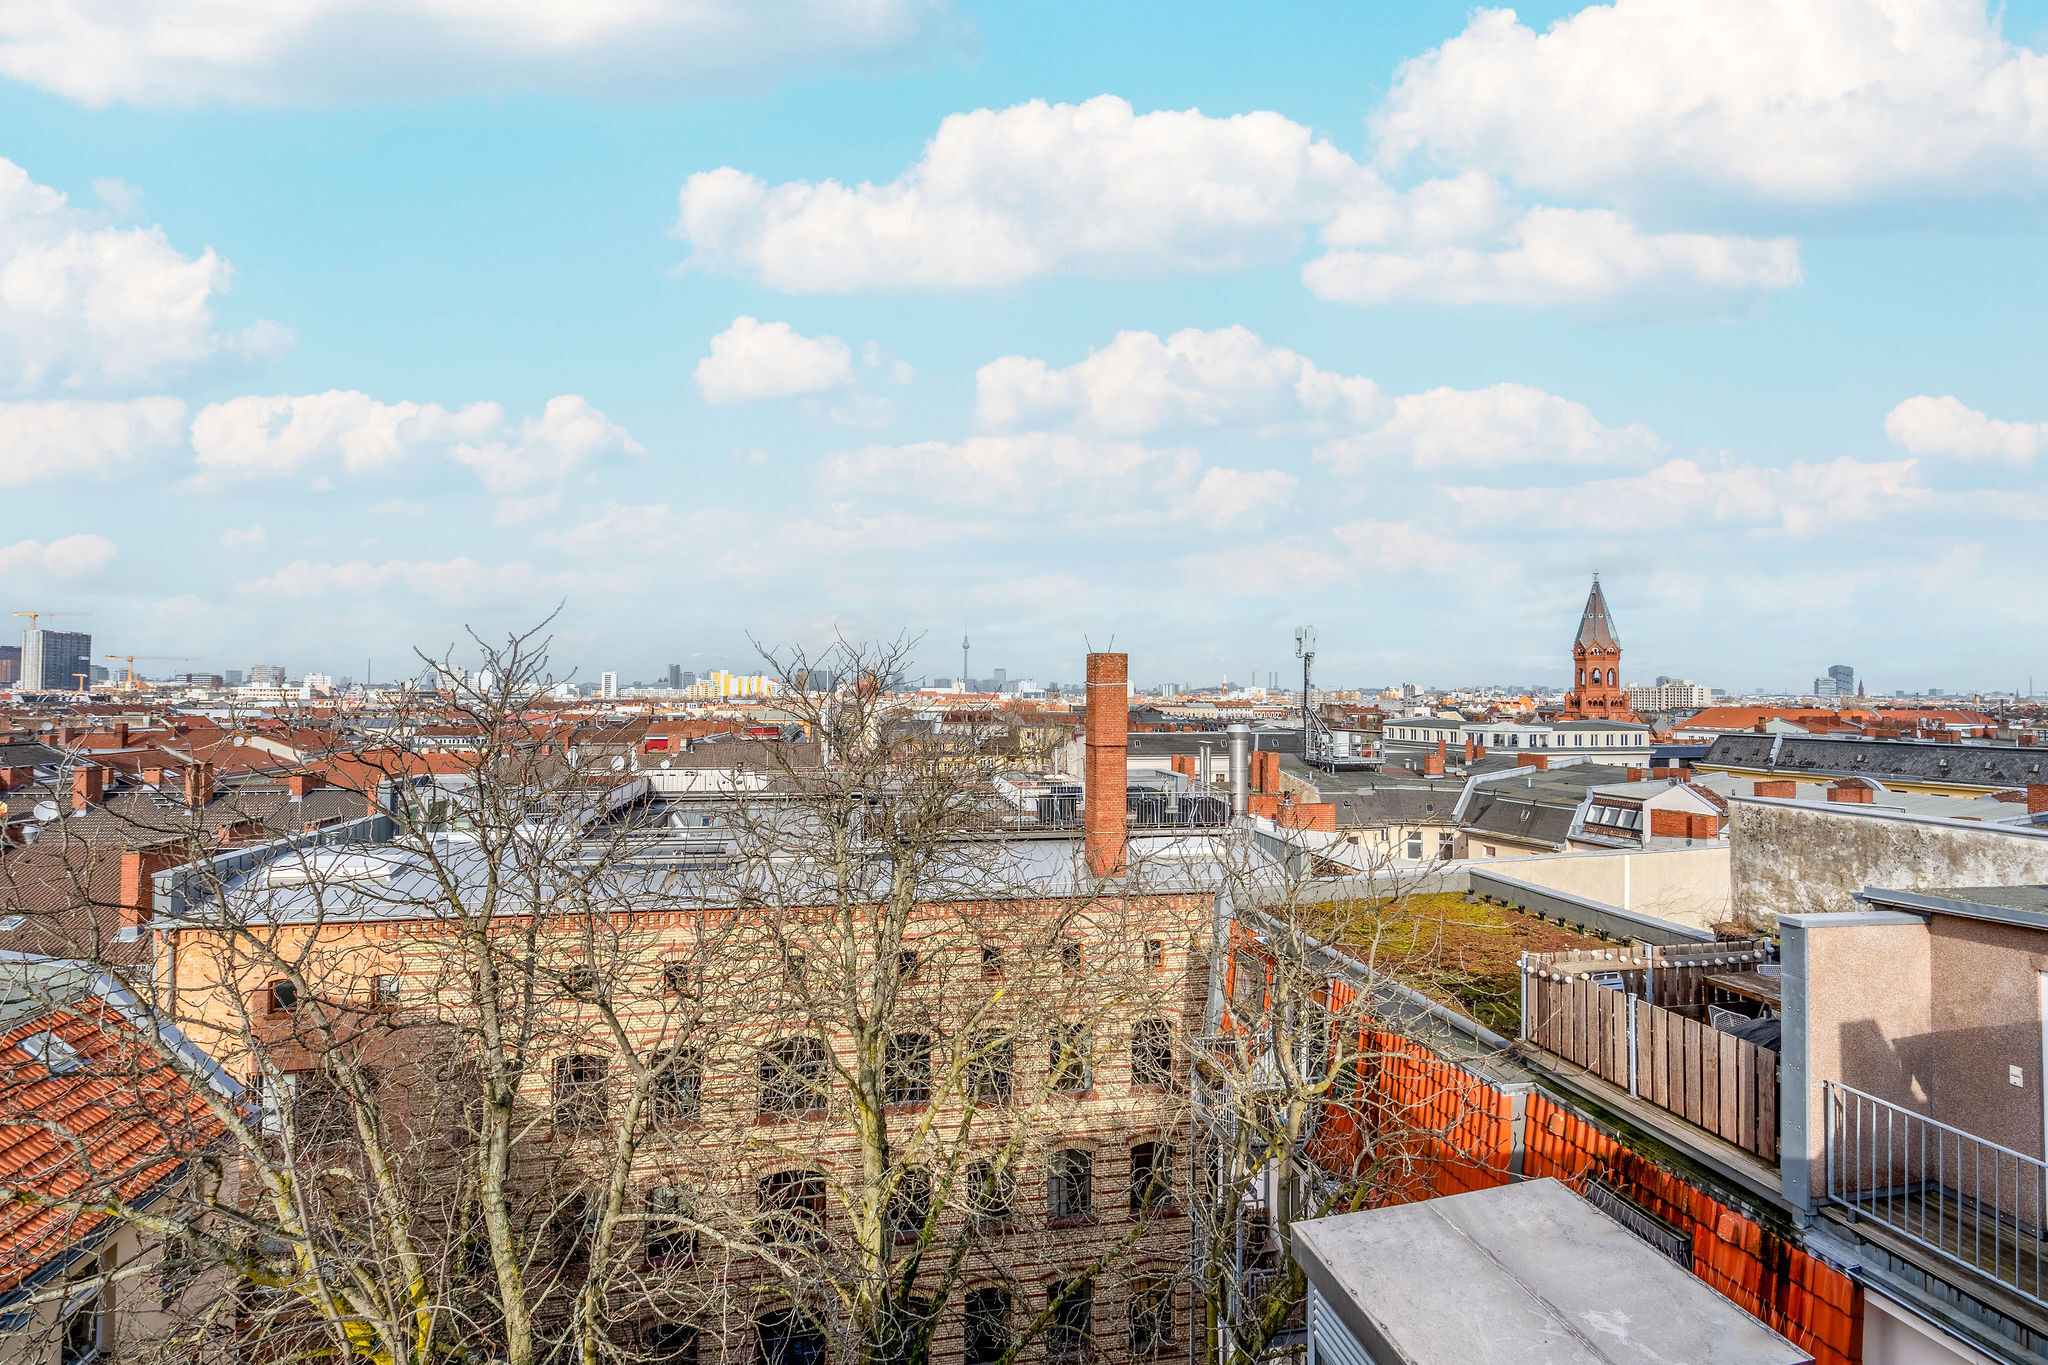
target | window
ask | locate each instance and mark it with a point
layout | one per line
(903, 1324)
(284, 997)
(991, 961)
(572, 1227)
(1248, 984)
(1415, 844)
(792, 1206)
(671, 1343)
(1151, 1310)
(1152, 1053)
(81, 1311)
(670, 1235)
(991, 1192)
(909, 1204)
(1070, 1185)
(907, 1068)
(58, 1057)
(384, 989)
(793, 1077)
(580, 1100)
(1155, 954)
(906, 964)
(1446, 846)
(1070, 955)
(986, 1334)
(1069, 1059)
(1067, 1335)
(580, 982)
(789, 1338)
(793, 967)
(991, 1069)
(1151, 1176)
(678, 1091)
(684, 979)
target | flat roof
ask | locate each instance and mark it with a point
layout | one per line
(1517, 1274)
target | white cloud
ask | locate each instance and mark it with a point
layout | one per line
(1082, 481)
(284, 435)
(1004, 196)
(453, 582)
(1944, 426)
(1503, 424)
(1298, 566)
(262, 52)
(400, 507)
(754, 360)
(1805, 101)
(1552, 256)
(1399, 547)
(1799, 499)
(57, 438)
(1139, 384)
(84, 306)
(247, 538)
(71, 557)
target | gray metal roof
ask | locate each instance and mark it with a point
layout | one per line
(1595, 627)
(1912, 760)
(1517, 1275)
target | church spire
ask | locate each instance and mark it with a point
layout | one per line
(1595, 628)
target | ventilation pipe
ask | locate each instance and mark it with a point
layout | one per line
(1240, 736)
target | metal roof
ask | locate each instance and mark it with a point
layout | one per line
(1595, 628)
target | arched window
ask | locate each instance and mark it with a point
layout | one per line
(1152, 1053)
(793, 1076)
(991, 1067)
(678, 1094)
(1070, 1184)
(1151, 1314)
(579, 1092)
(907, 1068)
(1068, 1063)
(987, 1332)
(671, 1237)
(789, 1338)
(792, 1206)
(1151, 1176)
(909, 1205)
(1067, 1335)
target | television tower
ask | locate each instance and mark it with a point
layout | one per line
(964, 646)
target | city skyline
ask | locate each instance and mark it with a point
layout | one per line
(900, 322)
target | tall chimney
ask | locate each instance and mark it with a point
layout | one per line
(1240, 736)
(88, 787)
(1106, 780)
(198, 785)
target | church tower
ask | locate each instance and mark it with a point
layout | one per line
(1596, 692)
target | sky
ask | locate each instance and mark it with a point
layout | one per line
(332, 330)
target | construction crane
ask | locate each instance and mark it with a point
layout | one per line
(32, 615)
(150, 658)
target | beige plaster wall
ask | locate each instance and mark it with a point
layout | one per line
(1688, 886)
(1869, 1016)
(1986, 1012)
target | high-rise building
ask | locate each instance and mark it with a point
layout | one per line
(675, 677)
(1839, 682)
(52, 659)
(608, 683)
(235, 677)
(266, 675)
(10, 665)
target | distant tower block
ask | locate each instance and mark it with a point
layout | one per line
(1596, 692)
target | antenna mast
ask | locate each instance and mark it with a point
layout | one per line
(1317, 747)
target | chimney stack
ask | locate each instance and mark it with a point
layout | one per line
(2037, 798)
(1106, 781)
(198, 785)
(88, 787)
(298, 784)
(1240, 737)
(120, 734)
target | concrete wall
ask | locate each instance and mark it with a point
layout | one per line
(1687, 886)
(1802, 859)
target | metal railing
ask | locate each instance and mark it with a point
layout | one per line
(1965, 1198)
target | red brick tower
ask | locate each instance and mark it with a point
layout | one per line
(1596, 692)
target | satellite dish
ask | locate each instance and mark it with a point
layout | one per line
(664, 763)
(46, 810)
(618, 762)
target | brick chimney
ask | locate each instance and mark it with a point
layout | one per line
(198, 785)
(1856, 794)
(1532, 761)
(137, 894)
(2037, 798)
(1474, 750)
(1784, 788)
(298, 784)
(88, 787)
(1639, 774)
(154, 775)
(120, 734)
(1106, 778)
(10, 778)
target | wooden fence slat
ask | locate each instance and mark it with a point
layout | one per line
(1689, 1030)
(1660, 1057)
(1726, 1124)
(1745, 1096)
(1767, 1107)
(1710, 1078)
(1624, 1016)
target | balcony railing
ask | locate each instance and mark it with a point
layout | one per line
(1960, 1196)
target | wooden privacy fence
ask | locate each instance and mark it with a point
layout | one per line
(1721, 1083)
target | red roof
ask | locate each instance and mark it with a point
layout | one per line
(116, 1127)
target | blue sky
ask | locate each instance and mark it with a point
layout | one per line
(325, 332)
